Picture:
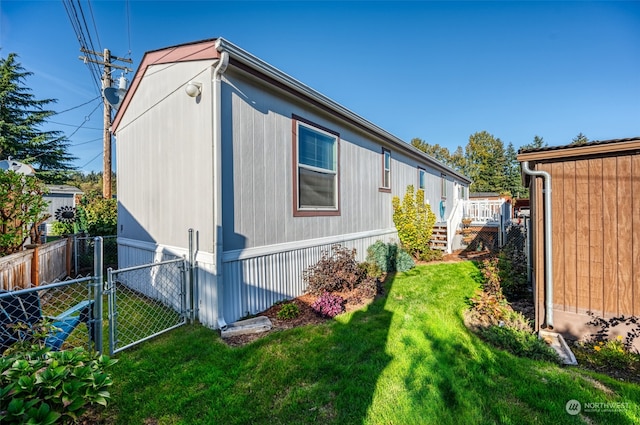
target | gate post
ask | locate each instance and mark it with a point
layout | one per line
(98, 282)
(190, 282)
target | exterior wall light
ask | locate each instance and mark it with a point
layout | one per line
(193, 89)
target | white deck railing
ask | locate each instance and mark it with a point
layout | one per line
(483, 211)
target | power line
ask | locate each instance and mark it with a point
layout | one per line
(73, 125)
(76, 107)
(86, 143)
(95, 27)
(92, 159)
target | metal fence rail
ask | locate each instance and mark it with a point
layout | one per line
(68, 306)
(145, 301)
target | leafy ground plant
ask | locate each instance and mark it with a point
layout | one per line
(328, 305)
(45, 387)
(288, 311)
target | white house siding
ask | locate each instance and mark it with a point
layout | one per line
(164, 159)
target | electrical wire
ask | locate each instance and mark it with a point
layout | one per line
(87, 142)
(95, 27)
(76, 107)
(86, 119)
(92, 159)
(128, 27)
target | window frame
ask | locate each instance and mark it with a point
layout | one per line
(443, 186)
(302, 211)
(386, 171)
(422, 178)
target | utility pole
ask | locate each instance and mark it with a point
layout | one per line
(106, 61)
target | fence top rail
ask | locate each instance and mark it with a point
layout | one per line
(146, 266)
(44, 287)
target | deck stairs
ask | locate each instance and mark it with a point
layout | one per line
(439, 237)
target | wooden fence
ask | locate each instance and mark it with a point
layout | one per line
(40, 264)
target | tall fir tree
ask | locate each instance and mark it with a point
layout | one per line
(21, 120)
(485, 163)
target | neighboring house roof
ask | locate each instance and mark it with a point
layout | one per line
(484, 195)
(211, 49)
(62, 189)
(594, 148)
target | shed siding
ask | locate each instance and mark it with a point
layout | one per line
(596, 239)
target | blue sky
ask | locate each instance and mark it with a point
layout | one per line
(439, 71)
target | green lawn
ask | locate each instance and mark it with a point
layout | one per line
(406, 359)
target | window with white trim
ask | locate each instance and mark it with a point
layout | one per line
(316, 170)
(422, 179)
(443, 186)
(386, 169)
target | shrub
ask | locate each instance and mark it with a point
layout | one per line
(42, 386)
(519, 342)
(337, 271)
(431, 255)
(389, 258)
(404, 262)
(328, 305)
(512, 262)
(368, 287)
(288, 311)
(98, 216)
(22, 209)
(370, 269)
(414, 221)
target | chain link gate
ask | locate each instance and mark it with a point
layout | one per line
(146, 301)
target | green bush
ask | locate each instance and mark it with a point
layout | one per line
(98, 216)
(288, 311)
(389, 258)
(414, 221)
(519, 342)
(431, 255)
(46, 387)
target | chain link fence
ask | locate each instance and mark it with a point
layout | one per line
(59, 315)
(84, 253)
(145, 301)
(119, 310)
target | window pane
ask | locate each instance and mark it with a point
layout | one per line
(421, 183)
(316, 149)
(387, 160)
(316, 189)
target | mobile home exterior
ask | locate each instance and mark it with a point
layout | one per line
(590, 257)
(266, 171)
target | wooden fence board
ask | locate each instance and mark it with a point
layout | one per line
(634, 211)
(625, 244)
(610, 235)
(582, 237)
(595, 213)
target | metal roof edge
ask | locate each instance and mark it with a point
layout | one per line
(258, 64)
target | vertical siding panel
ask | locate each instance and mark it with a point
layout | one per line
(582, 234)
(595, 235)
(635, 212)
(570, 209)
(558, 205)
(610, 236)
(625, 244)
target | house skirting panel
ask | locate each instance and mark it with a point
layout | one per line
(254, 278)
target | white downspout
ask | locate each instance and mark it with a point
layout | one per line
(218, 70)
(548, 258)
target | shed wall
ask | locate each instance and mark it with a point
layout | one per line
(596, 240)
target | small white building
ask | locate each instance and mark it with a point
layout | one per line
(267, 171)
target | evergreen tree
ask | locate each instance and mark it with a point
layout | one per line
(441, 153)
(538, 142)
(513, 177)
(21, 118)
(579, 140)
(485, 163)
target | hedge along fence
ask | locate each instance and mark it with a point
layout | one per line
(38, 264)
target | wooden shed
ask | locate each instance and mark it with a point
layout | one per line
(588, 259)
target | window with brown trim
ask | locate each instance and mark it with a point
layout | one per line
(316, 174)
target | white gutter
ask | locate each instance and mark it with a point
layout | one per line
(216, 79)
(548, 258)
